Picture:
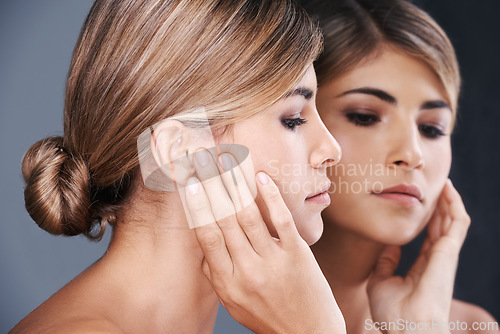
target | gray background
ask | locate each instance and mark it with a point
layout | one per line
(36, 42)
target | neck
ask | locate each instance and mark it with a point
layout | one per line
(154, 266)
(347, 260)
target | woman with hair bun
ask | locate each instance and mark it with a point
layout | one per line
(137, 66)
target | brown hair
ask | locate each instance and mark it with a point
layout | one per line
(356, 29)
(138, 62)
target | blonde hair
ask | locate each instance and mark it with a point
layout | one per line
(137, 62)
(356, 29)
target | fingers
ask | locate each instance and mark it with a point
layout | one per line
(221, 204)
(386, 265)
(450, 217)
(280, 216)
(208, 173)
(459, 219)
(209, 236)
(235, 182)
(443, 254)
(234, 208)
(434, 228)
(438, 278)
(418, 268)
(388, 261)
(205, 268)
(247, 212)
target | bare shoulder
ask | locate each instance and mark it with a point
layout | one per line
(82, 326)
(76, 308)
(75, 326)
(470, 318)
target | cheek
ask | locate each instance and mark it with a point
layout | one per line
(438, 163)
(276, 167)
(287, 178)
(437, 169)
(284, 163)
(357, 146)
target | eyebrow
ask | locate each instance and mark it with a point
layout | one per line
(372, 91)
(435, 105)
(384, 96)
(301, 91)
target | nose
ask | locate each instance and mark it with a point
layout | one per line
(406, 149)
(326, 150)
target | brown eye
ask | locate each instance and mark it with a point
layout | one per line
(362, 119)
(430, 131)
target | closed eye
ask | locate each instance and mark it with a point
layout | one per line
(293, 123)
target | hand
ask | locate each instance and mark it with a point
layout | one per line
(425, 294)
(268, 285)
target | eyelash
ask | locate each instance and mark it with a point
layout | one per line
(293, 123)
(360, 119)
(430, 131)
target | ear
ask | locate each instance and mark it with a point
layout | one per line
(170, 150)
(165, 136)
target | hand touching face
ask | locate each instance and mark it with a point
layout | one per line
(290, 143)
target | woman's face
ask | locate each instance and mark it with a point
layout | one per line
(392, 119)
(290, 143)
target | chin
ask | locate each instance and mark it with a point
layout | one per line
(396, 240)
(398, 234)
(311, 229)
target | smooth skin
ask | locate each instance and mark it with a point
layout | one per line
(258, 259)
(392, 111)
(290, 143)
(252, 272)
(151, 279)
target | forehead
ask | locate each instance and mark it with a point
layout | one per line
(308, 80)
(392, 71)
(391, 65)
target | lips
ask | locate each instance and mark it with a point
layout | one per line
(321, 191)
(402, 190)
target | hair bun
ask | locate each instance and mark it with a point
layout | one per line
(57, 193)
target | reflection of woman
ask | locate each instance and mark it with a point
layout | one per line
(389, 83)
(135, 64)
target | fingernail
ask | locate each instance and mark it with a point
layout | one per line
(202, 157)
(226, 161)
(193, 186)
(262, 177)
